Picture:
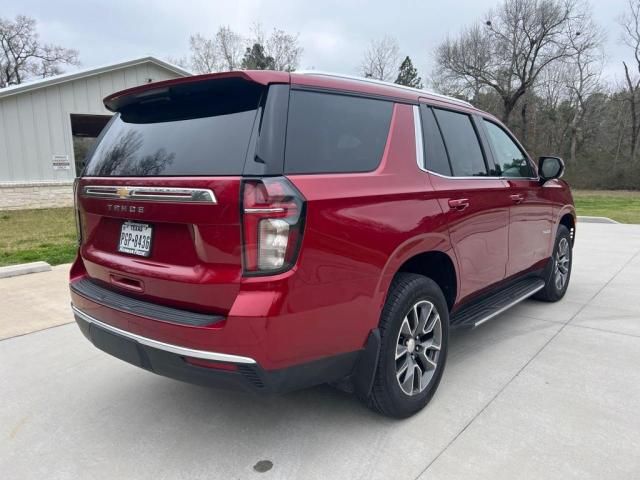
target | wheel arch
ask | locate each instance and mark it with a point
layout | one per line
(567, 217)
(437, 266)
(431, 256)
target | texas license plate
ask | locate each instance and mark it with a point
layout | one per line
(135, 238)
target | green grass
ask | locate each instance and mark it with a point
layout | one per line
(622, 206)
(50, 234)
(31, 235)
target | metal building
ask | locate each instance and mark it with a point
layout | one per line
(47, 125)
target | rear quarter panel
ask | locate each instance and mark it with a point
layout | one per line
(360, 229)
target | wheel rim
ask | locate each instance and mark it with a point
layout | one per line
(562, 264)
(418, 347)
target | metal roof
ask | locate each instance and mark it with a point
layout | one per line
(89, 72)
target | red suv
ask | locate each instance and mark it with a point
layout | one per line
(273, 231)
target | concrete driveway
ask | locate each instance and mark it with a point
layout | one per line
(542, 391)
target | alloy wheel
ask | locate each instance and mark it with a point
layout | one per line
(418, 347)
(562, 263)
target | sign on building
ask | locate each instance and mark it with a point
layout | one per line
(61, 162)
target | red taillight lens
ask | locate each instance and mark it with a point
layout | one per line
(272, 218)
(76, 211)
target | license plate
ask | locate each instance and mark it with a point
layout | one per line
(135, 238)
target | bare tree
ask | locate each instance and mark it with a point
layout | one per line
(464, 64)
(381, 59)
(284, 48)
(23, 56)
(551, 92)
(630, 22)
(507, 53)
(582, 73)
(204, 54)
(182, 62)
(227, 49)
(221, 53)
(230, 47)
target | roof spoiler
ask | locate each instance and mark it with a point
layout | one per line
(147, 92)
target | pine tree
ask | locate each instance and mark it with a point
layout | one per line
(408, 75)
(255, 58)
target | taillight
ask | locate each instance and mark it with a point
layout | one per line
(272, 220)
(76, 211)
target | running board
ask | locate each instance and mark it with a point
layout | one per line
(479, 312)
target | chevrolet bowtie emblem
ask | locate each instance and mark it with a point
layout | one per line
(123, 192)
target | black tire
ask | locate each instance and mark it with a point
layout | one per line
(552, 291)
(387, 396)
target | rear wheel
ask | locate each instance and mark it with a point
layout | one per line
(559, 270)
(414, 330)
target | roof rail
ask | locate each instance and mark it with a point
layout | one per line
(381, 82)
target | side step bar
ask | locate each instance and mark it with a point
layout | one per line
(483, 310)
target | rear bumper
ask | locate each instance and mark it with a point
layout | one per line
(167, 347)
(237, 372)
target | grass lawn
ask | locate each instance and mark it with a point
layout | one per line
(50, 234)
(619, 205)
(31, 235)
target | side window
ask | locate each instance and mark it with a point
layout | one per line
(437, 159)
(330, 133)
(465, 153)
(510, 159)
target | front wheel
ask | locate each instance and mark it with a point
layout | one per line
(414, 331)
(559, 270)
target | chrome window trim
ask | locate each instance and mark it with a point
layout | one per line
(167, 347)
(463, 178)
(417, 121)
(417, 131)
(158, 194)
(479, 177)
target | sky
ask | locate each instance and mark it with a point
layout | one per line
(333, 33)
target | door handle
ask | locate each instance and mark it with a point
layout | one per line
(459, 203)
(517, 197)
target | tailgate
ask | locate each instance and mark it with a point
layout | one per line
(159, 200)
(193, 257)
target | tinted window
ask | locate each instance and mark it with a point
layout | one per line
(462, 144)
(335, 133)
(510, 160)
(437, 159)
(196, 129)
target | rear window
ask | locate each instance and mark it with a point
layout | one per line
(330, 133)
(192, 129)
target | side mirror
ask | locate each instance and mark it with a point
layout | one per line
(550, 168)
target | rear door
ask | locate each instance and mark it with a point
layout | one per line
(531, 215)
(473, 199)
(159, 199)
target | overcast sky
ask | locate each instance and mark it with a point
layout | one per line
(333, 33)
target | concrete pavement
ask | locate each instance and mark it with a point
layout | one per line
(542, 391)
(33, 302)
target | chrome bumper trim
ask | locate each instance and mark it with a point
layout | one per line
(167, 347)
